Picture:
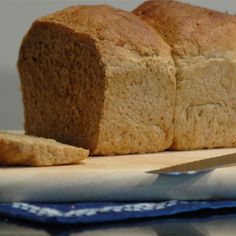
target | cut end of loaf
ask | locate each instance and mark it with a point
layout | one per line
(62, 83)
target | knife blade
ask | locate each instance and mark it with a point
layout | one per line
(199, 166)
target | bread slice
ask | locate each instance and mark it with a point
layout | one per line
(23, 150)
(203, 46)
(98, 78)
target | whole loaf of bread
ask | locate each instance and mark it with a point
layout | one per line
(104, 79)
(98, 78)
(203, 46)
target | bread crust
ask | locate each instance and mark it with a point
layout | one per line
(105, 23)
(190, 30)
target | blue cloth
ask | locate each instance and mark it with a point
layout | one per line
(104, 212)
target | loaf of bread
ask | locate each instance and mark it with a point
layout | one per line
(203, 46)
(98, 78)
(23, 150)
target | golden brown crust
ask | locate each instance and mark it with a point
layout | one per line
(190, 30)
(107, 24)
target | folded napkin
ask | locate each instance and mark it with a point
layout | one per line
(104, 212)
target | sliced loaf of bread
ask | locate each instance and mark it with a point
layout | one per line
(99, 78)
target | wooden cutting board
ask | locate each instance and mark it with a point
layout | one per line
(135, 162)
(119, 178)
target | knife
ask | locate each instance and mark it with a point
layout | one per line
(199, 166)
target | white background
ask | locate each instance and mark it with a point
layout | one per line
(16, 17)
